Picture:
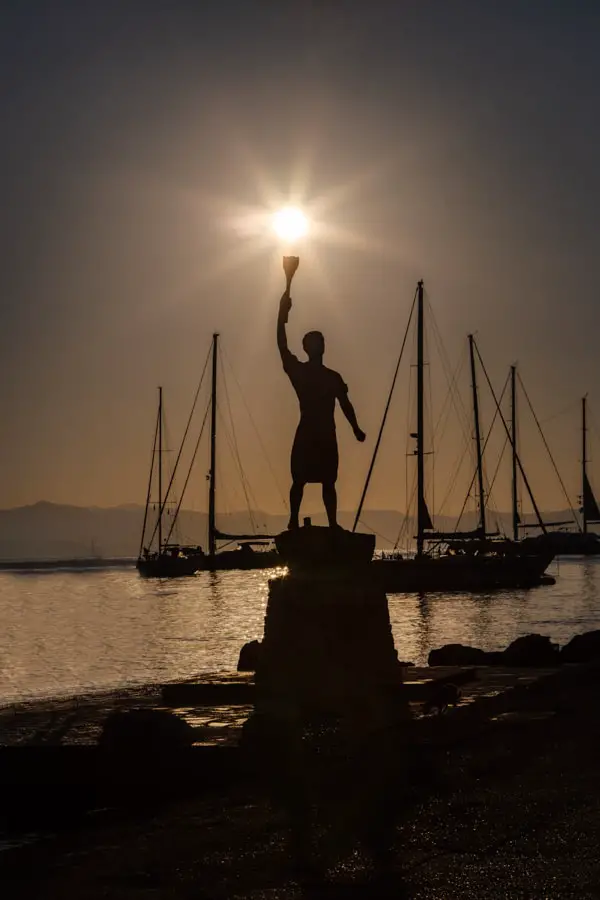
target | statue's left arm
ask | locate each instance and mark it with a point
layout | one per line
(348, 411)
(285, 304)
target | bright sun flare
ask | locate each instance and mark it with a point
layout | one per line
(290, 223)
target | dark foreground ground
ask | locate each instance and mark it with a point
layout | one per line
(510, 809)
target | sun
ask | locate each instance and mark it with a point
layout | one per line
(290, 223)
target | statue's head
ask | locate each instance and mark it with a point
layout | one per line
(314, 344)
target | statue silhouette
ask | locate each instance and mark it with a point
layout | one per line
(315, 452)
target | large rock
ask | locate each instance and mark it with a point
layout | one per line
(534, 650)
(457, 655)
(530, 650)
(582, 648)
(249, 657)
(145, 730)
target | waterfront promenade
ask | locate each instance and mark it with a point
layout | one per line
(510, 807)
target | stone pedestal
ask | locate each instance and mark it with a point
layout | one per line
(328, 649)
(331, 720)
(313, 548)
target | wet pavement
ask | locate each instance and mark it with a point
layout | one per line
(79, 720)
(512, 810)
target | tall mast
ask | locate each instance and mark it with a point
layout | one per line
(149, 491)
(422, 515)
(583, 465)
(515, 500)
(477, 439)
(212, 542)
(160, 450)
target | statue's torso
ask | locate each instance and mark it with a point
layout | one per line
(317, 388)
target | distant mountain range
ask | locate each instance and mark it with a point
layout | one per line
(54, 531)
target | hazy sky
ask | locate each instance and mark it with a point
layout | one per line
(143, 144)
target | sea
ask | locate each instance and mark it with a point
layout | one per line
(78, 632)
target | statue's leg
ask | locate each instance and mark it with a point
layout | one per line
(330, 501)
(296, 492)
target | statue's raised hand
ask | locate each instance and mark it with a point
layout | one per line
(285, 304)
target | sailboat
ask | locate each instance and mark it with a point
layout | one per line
(244, 556)
(582, 542)
(171, 559)
(449, 561)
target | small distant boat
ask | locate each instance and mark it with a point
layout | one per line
(582, 542)
(568, 543)
(171, 559)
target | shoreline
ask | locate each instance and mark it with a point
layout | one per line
(35, 565)
(77, 719)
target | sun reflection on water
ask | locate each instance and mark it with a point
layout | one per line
(66, 632)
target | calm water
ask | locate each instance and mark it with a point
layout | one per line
(66, 632)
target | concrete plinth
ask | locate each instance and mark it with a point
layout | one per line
(330, 727)
(328, 648)
(313, 547)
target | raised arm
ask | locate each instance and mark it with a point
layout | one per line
(348, 411)
(285, 304)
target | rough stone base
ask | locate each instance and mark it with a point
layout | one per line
(328, 649)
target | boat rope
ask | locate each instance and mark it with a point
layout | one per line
(591, 423)
(489, 486)
(492, 483)
(462, 456)
(375, 532)
(407, 518)
(453, 400)
(428, 404)
(257, 432)
(449, 402)
(384, 418)
(248, 494)
(555, 467)
(157, 426)
(236, 463)
(410, 488)
(460, 406)
(485, 443)
(538, 515)
(187, 478)
(181, 446)
(562, 412)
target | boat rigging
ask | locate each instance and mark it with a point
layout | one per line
(171, 559)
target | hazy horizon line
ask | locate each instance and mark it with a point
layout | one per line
(310, 511)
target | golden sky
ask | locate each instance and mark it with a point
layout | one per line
(145, 154)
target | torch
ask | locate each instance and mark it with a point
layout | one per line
(290, 264)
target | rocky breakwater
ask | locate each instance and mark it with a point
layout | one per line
(529, 651)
